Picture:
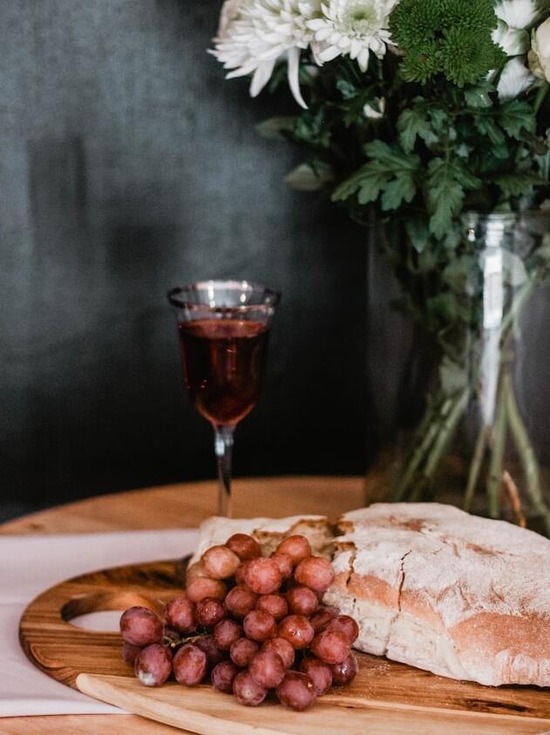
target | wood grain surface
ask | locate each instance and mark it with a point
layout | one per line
(90, 661)
(187, 505)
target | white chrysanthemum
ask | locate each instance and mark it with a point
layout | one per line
(254, 34)
(539, 54)
(513, 41)
(518, 14)
(352, 28)
(514, 79)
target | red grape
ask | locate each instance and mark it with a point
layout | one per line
(322, 616)
(241, 570)
(267, 668)
(302, 600)
(245, 546)
(247, 690)
(180, 614)
(346, 624)
(275, 605)
(296, 546)
(195, 570)
(220, 562)
(210, 611)
(262, 575)
(242, 650)
(259, 625)
(153, 665)
(141, 626)
(282, 648)
(129, 652)
(297, 630)
(319, 673)
(344, 672)
(331, 646)
(213, 653)
(296, 691)
(189, 665)
(202, 587)
(284, 562)
(226, 633)
(315, 572)
(223, 675)
(240, 601)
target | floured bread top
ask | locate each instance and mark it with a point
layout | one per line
(457, 564)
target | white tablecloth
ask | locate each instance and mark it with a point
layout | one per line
(31, 564)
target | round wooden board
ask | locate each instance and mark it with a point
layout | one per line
(90, 661)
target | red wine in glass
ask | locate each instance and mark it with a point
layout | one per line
(223, 333)
(223, 362)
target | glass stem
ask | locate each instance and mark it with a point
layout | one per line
(223, 445)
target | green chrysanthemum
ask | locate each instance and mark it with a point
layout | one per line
(449, 37)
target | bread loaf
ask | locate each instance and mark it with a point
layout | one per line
(442, 590)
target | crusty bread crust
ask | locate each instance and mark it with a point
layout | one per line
(445, 591)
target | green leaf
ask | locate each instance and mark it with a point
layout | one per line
(417, 230)
(389, 174)
(515, 185)
(372, 184)
(444, 195)
(351, 185)
(411, 124)
(464, 177)
(392, 158)
(479, 96)
(446, 184)
(347, 89)
(516, 117)
(401, 189)
(311, 128)
(440, 120)
(500, 152)
(488, 126)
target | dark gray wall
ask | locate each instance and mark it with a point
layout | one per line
(128, 165)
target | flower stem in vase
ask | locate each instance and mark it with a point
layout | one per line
(422, 441)
(482, 443)
(430, 443)
(494, 477)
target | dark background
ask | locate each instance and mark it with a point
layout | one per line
(128, 164)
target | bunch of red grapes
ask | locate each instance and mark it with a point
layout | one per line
(248, 623)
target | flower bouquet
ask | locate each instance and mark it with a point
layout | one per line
(432, 116)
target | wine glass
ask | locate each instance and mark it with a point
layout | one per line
(223, 330)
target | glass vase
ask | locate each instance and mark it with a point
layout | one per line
(460, 381)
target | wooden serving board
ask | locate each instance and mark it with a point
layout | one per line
(386, 698)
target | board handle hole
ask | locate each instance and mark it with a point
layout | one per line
(102, 611)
